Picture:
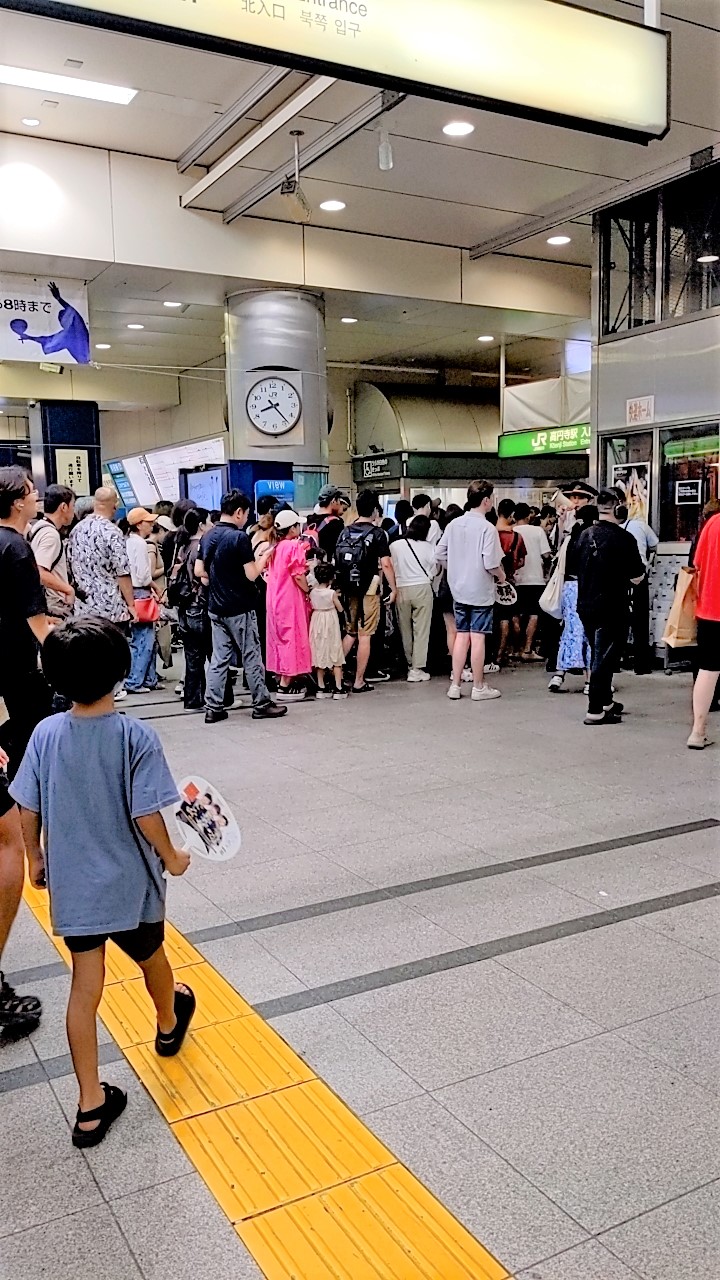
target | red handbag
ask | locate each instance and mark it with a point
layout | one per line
(147, 609)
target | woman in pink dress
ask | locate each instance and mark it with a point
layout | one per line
(288, 610)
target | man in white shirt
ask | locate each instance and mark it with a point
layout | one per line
(530, 579)
(470, 547)
(422, 506)
(45, 538)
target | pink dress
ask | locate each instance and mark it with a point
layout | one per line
(288, 643)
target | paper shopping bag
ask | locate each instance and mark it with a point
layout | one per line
(681, 626)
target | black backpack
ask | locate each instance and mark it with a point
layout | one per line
(356, 559)
(182, 589)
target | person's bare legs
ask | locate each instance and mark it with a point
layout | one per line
(517, 636)
(161, 988)
(88, 976)
(459, 655)
(12, 872)
(504, 636)
(532, 626)
(703, 693)
(363, 657)
(320, 678)
(338, 674)
(450, 631)
(477, 659)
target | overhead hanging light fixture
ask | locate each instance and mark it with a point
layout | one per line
(559, 239)
(706, 258)
(385, 154)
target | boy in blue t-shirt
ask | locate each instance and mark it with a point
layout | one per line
(95, 783)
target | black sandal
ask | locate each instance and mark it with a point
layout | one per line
(18, 1014)
(113, 1106)
(166, 1046)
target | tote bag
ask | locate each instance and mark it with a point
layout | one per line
(681, 626)
(551, 598)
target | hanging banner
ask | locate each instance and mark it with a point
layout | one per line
(536, 58)
(44, 318)
(633, 481)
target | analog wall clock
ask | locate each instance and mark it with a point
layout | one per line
(273, 406)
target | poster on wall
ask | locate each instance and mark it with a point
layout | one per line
(73, 470)
(633, 481)
(42, 318)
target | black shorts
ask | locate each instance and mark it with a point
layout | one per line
(528, 601)
(139, 944)
(708, 645)
(6, 801)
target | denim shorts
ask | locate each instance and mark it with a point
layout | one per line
(474, 618)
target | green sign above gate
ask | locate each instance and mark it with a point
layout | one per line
(528, 444)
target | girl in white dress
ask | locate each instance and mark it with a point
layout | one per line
(325, 637)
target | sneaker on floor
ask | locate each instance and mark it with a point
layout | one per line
(19, 1015)
(454, 692)
(490, 669)
(214, 717)
(363, 688)
(180, 688)
(323, 694)
(340, 693)
(556, 684)
(291, 694)
(380, 677)
(120, 695)
(586, 689)
(607, 717)
(268, 711)
(699, 741)
(467, 676)
(417, 676)
(485, 693)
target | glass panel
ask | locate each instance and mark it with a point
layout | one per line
(628, 271)
(692, 245)
(688, 478)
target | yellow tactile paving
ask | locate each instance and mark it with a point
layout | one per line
(385, 1226)
(312, 1193)
(226, 1063)
(279, 1148)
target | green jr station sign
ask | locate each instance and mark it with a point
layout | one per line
(528, 444)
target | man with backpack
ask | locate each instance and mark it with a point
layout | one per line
(361, 555)
(45, 538)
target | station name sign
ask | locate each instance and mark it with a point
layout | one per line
(528, 444)
(541, 59)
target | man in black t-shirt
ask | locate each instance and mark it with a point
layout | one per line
(606, 560)
(227, 564)
(327, 518)
(361, 554)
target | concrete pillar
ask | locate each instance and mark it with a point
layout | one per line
(279, 334)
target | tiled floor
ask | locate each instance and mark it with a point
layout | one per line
(540, 1043)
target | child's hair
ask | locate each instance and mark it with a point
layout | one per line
(85, 658)
(324, 574)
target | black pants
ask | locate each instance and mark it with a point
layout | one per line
(28, 700)
(196, 636)
(640, 622)
(606, 635)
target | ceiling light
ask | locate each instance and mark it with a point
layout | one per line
(709, 257)
(136, 326)
(486, 337)
(31, 122)
(24, 79)
(348, 320)
(332, 206)
(559, 239)
(458, 129)
(102, 346)
(172, 304)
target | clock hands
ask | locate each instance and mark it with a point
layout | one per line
(272, 405)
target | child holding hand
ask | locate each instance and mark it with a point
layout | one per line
(325, 637)
(94, 783)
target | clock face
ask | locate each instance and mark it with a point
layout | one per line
(273, 406)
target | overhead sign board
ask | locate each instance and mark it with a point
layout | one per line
(528, 444)
(40, 317)
(538, 58)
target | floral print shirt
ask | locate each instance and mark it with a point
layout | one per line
(97, 556)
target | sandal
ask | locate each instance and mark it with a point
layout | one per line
(113, 1106)
(166, 1046)
(17, 1013)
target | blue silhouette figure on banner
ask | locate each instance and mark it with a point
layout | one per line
(72, 336)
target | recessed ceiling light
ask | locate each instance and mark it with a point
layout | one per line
(30, 122)
(458, 129)
(332, 206)
(348, 320)
(486, 337)
(21, 78)
(172, 304)
(559, 239)
(709, 257)
(136, 326)
(102, 346)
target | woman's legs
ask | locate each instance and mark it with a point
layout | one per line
(422, 607)
(703, 693)
(142, 649)
(404, 610)
(450, 631)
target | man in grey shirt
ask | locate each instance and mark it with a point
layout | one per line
(470, 547)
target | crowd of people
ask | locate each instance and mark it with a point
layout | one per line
(325, 607)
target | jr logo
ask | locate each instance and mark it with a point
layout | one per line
(539, 442)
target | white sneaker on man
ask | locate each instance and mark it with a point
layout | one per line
(120, 695)
(556, 683)
(467, 676)
(416, 675)
(484, 693)
(454, 692)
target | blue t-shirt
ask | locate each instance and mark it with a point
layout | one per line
(89, 777)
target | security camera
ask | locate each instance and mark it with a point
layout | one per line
(32, 404)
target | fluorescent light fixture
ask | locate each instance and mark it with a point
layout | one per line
(486, 337)
(30, 122)
(136, 326)
(458, 129)
(43, 80)
(172, 304)
(102, 346)
(332, 206)
(709, 257)
(559, 239)
(348, 320)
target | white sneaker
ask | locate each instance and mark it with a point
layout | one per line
(556, 683)
(180, 688)
(416, 676)
(586, 689)
(467, 676)
(454, 692)
(120, 695)
(491, 668)
(484, 693)
(698, 741)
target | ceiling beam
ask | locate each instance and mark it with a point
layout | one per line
(284, 114)
(370, 110)
(234, 114)
(558, 214)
